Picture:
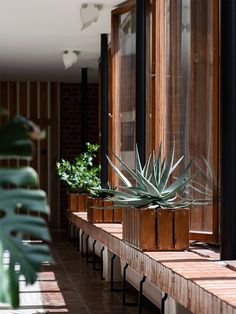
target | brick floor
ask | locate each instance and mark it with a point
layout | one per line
(72, 286)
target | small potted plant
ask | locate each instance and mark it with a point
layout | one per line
(156, 213)
(100, 209)
(67, 173)
(80, 176)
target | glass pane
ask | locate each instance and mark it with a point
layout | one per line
(189, 102)
(126, 83)
(149, 80)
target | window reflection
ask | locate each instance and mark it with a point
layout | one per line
(189, 97)
(126, 79)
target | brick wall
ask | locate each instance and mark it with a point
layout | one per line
(70, 126)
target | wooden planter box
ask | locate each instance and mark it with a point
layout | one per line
(155, 230)
(112, 215)
(73, 202)
(77, 202)
(82, 202)
(94, 214)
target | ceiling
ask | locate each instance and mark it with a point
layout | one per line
(34, 34)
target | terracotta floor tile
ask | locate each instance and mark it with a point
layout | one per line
(72, 286)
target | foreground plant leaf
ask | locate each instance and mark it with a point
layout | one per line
(21, 204)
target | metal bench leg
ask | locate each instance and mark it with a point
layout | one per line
(82, 244)
(87, 250)
(124, 283)
(78, 240)
(112, 270)
(68, 229)
(74, 236)
(112, 274)
(163, 300)
(141, 295)
(94, 257)
(102, 250)
(124, 288)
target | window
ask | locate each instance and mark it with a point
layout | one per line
(186, 98)
(182, 93)
(123, 83)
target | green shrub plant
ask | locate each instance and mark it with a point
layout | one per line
(80, 175)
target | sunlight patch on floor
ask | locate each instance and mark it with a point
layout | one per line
(42, 297)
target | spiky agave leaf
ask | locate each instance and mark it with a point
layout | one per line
(208, 177)
(151, 183)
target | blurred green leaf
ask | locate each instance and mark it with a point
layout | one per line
(20, 196)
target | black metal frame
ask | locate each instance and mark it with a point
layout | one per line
(124, 288)
(228, 130)
(87, 252)
(84, 107)
(163, 300)
(74, 235)
(112, 275)
(95, 261)
(78, 239)
(104, 108)
(82, 245)
(101, 270)
(140, 295)
(141, 78)
(69, 230)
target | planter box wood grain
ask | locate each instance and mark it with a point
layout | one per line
(82, 202)
(107, 215)
(72, 202)
(94, 214)
(156, 230)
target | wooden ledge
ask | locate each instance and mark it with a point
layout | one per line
(201, 284)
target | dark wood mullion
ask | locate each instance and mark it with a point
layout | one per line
(141, 78)
(104, 108)
(228, 130)
(84, 107)
(114, 139)
(214, 235)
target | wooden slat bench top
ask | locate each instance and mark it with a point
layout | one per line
(195, 279)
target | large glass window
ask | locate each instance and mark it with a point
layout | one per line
(187, 98)
(182, 93)
(126, 77)
(123, 84)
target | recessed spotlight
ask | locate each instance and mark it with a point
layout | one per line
(70, 57)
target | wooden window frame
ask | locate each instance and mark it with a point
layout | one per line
(114, 108)
(159, 95)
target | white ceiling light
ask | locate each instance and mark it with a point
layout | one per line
(70, 57)
(89, 13)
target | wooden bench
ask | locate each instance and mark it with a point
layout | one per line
(200, 284)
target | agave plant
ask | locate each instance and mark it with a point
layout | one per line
(151, 186)
(101, 191)
(204, 186)
(19, 197)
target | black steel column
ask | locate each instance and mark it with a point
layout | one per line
(104, 108)
(228, 130)
(84, 108)
(141, 78)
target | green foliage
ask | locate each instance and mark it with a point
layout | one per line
(101, 191)
(203, 187)
(150, 186)
(80, 175)
(20, 196)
